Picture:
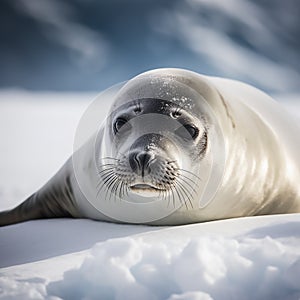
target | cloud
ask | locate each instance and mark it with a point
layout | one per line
(230, 57)
(212, 30)
(58, 19)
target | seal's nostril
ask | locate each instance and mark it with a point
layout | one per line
(139, 162)
(143, 159)
(133, 162)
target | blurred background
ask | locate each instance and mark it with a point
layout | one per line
(89, 45)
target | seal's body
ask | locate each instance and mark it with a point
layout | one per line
(177, 148)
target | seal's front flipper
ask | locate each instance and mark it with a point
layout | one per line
(54, 200)
(21, 213)
(7, 217)
(41, 205)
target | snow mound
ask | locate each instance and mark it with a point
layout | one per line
(208, 267)
(243, 258)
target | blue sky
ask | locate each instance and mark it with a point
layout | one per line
(90, 45)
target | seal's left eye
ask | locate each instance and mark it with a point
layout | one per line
(187, 131)
(119, 123)
(193, 131)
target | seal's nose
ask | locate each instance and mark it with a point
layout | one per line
(139, 162)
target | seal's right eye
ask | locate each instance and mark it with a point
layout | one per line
(119, 123)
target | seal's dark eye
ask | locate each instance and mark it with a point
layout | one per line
(187, 131)
(193, 131)
(119, 123)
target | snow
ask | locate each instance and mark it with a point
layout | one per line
(219, 267)
(245, 258)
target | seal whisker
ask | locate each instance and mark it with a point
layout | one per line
(184, 181)
(183, 170)
(163, 192)
(125, 189)
(99, 190)
(103, 172)
(171, 161)
(167, 193)
(121, 190)
(186, 192)
(111, 185)
(173, 197)
(188, 178)
(171, 194)
(102, 182)
(184, 196)
(104, 176)
(105, 180)
(112, 158)
(118, 190)
(179, 194)
(161, 195)
(115, 186)
(106, 166)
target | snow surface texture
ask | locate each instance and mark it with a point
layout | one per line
(208, 267)
(246, 258)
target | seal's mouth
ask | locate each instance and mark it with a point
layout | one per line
(144, 189)
(144, 186)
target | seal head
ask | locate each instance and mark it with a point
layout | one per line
(155, 142)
